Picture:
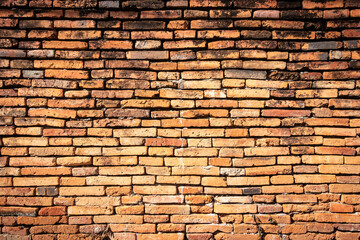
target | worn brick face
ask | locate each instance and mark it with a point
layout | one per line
(179, 119)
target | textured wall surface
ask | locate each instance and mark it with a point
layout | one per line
(179, 119)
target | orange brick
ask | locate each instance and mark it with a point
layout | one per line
(336, 207)
(187, 152)
(89, 210)
(155, 190)
(210, 24)
(40, 92)
(314, 178)
(193, 180)
(213, 181)
(248, 93)
(67, 74)
(165, 142)
(36, 181)
(12, 102)
(37, 220)
(268, 170)
(32, 161)
(266, 151)
(64, 45)
(138, 228)
(147, 55)
(336, 217)
(241, 181)
(189, 170)
(296, 199)
(184, 44)
(167, 209)
(235, 208)
(273, 132)
(81, 191)
(164, 236)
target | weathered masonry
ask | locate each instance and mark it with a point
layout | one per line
(179, 119)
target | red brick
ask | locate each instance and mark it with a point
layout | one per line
(52, 211)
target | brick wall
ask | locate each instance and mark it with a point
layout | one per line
(179, 119)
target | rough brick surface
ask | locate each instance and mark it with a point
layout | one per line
(179, 119)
